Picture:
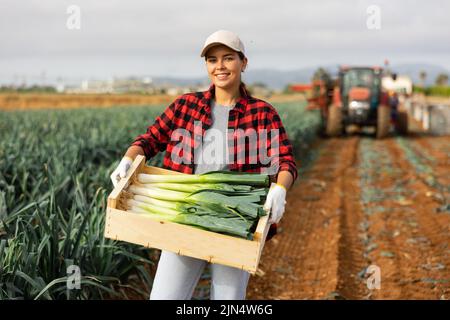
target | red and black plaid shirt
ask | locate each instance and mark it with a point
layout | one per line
(186, 110)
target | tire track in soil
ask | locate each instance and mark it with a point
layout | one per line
(317, 254)
(351, 249)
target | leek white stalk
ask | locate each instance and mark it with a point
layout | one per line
(138, 210)
(158, 193)
(156, 202)
(151, 208)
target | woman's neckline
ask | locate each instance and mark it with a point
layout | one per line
(231, 106)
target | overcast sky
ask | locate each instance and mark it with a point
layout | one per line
(164, 38)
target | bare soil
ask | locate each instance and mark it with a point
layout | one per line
(35, 101)
(364, 202)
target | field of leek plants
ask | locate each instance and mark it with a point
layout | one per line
(54, 181)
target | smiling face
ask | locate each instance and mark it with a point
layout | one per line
(224, 67)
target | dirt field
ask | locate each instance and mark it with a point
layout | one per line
(364, 202)
(31, 101)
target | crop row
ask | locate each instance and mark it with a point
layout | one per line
(54, 181)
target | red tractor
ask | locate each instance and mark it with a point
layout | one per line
(321, 98)
(320, 95)
(358, 99)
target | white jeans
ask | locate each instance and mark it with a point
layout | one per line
(177, 277)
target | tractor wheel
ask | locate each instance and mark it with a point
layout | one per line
(402, 123)
(334, 122)
(383, 121)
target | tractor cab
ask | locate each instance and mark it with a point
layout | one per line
(360, 91)
(359, 100)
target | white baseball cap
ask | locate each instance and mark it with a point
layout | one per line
(226, 38)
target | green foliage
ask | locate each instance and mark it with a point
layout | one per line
(443, 91)
(54, 181)
(32, 89)
(301, 127)
(441, 79)
(324, 75)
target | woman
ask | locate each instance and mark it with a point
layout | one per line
(225, 107)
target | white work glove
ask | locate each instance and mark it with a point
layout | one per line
(275, 202)
(121, 170)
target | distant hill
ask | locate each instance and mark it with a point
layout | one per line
(275, 79)
(279, 79)
(180, 81)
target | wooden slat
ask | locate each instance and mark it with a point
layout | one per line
(139, 162)
(178, 238)
(156, 170)
(181, 239)
(262, 228)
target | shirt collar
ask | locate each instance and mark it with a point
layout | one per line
(241, 103)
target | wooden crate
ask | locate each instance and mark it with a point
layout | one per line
(181, 239)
